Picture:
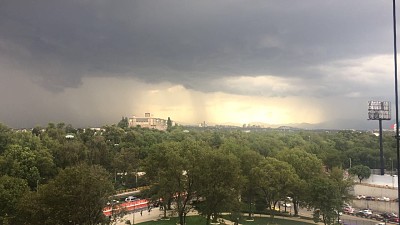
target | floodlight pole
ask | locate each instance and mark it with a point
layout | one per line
(396, 99)
(381, 148)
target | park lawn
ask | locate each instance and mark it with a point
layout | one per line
(190, 220)
(199, 220)
(278, 221)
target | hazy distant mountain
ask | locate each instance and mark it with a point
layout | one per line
(349, 124)
(339, 124)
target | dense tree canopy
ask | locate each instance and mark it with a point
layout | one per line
(11, 191)
(183, 165)
(220, 183)
(77, 195)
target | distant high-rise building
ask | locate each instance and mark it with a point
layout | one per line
(148, 121)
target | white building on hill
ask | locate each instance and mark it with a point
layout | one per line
(148, 121)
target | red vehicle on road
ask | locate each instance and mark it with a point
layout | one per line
(125, 206)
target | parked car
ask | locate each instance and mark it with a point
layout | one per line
(370, 198)
(113, 202)
(348, 210)
(131, 198)
(359, 197)
(378, 217)
(386, 215)
(363, 214)
(394, 219)
(385, 199)
(367, 211)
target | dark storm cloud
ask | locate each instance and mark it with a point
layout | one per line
(193, 43)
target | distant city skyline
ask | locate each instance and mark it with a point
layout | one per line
(275, 62)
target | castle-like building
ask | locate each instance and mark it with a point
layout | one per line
(148, 121)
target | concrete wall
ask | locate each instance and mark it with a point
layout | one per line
(377, 186)
(388, 180)
(376, 206)
(375, 191)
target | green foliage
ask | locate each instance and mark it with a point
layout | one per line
(173, 169)
(275, 179)
(345, 184)
(69, 154)
(204, 163)
(21, 163)
(362, 172)
(123, 123)
(5, 137)
(307, 166)
(11, 191)
(220, 183)
(77, 195)
(169, 124)
(249, 159)
(325, 197)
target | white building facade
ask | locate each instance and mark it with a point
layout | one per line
(148, 121)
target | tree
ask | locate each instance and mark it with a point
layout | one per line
(100, 152)
(345, 184)
(127, 161)
(250, 159)
(276, 180)
(77, 195)
(215, 140)
(21, 163)
(5, 137)
(26, 157)
(37, 131)
(172, 168)
(11, 191)
(169, 124)
(266, 144)
(123, 123)
(361, 171)
(307, 167)
(325, 198)
(71, 153)
(220, 184)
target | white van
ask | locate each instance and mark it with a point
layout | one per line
(131, 198)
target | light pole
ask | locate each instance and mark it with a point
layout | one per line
(391, 172)
(136, 177)
(396, 96)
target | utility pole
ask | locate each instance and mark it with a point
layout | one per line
(381, 148)
(396, 96)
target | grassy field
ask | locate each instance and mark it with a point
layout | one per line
(278, 221)
(198, 220)
(190, 220)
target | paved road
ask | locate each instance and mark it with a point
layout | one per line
(143, 216)
(155, 214)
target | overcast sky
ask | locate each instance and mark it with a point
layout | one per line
(90, 62)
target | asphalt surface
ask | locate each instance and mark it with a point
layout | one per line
(156, 214)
